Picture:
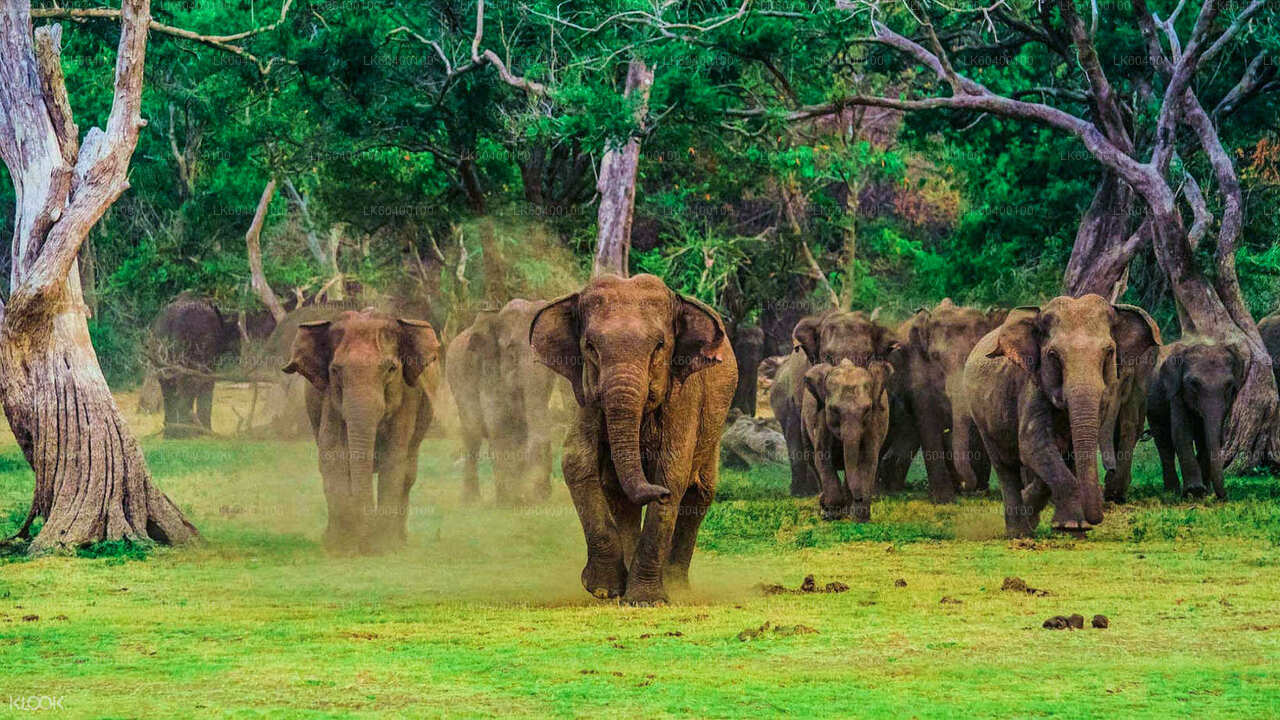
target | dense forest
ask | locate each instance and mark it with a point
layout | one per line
(420, 148)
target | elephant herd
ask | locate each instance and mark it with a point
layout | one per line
(1037, 394)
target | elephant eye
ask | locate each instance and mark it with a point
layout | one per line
(662, 342)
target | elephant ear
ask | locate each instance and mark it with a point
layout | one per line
(1019, 339)
(419, 347)
(815, 381)
(806, 336)
(311, 353)
(700, 338)
(884, 341)
(1135, 333)
(880, 372)
(996, 317)
(554, 336)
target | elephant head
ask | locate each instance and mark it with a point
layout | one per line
(363, 362)
(622, 343)
(1208, 376)
(838, 335)
(850, 401)
(1072, 348)
(943, 337)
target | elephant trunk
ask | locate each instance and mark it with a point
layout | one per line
(857, 477)
(1084, 404)
(623, 397)
(362, 417)
(1214, 419)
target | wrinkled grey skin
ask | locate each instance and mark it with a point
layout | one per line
(827, 338)
(189, 336)
(502, 393)
(370, 399)
(936, 344)
(1036, 387)
(846, 416)
(1125, 413)
(653, 374)
(1190, 399)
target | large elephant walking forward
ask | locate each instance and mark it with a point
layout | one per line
(1036, 387)
(372, 380)
(653, 374)
(502, 394)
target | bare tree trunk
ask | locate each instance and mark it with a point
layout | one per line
(254, 248)
(1106, 241)
(617, 186)
(91, 481)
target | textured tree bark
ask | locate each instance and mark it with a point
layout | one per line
(1107, 239)
(92, 483)
(251, 240)
(617, 186)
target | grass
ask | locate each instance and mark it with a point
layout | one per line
(484, 615)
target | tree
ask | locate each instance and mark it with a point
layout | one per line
(617, 184)
(92, 483)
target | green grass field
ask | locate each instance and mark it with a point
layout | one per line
(484, 615)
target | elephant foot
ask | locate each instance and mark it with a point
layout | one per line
(861, 514)
(1195, 491)
(645, 595)
(605, 578)
(940, 495)
(471, 496)
(1072, 526)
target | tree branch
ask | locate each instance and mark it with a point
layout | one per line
(253, 246)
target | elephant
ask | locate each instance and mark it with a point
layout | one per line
(1190, 399)
(370, 398)
(936, 343)
(1125, 413)
(748, 346)
(846, 417)
(653, 374)
(502, 393)
(188, 338)
(826, 338)
(1035, 388)
(1269, 328)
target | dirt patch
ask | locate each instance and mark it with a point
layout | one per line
(777, 630)
(1017, 584)
(671, 633)
(900, 583)
(809, 586)
(948, 600)
(1101, 622)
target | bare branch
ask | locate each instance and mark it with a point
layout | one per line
(54, 86)
(220, 42)
(253, 247)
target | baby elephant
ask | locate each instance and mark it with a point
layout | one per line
(370, 399)
(1194, 388)
(846, 416)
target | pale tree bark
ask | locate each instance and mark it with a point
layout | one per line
(253, 245)
(1213, 308)
(91, 481)
(617, 185)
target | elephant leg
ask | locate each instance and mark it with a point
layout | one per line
(1184, 428)
(204, 404)
(1163, 438)
(646, 575)
(900, 449)
(605, 574)
(1038, 452)
(470, 461)
(172, 397)
(941, 487)
(835, 499)
(803, 478)
(1016, 511)
(1128, 428)
(627, 515)
(693, 508)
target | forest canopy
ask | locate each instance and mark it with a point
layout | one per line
(424, 150)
